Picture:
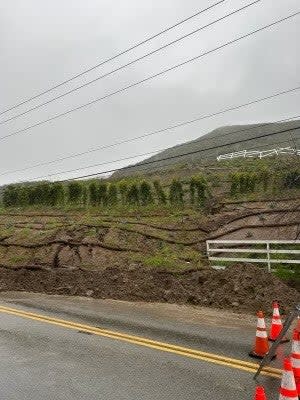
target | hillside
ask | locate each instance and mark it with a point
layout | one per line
(222, 137)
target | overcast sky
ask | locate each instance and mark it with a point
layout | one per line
(45, 42)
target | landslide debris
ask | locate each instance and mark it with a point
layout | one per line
(241, 287)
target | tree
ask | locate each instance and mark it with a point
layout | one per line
(243, 182)
(235, 183)
(84, 197)
(112, 195)
(192, 190)
(291, 179)
(251, 181)
(23, 196)
(123, 189)
(102, 193)
(133, 195)
(161, 196)
(74, 192)
(198, 190)
(10, 196)
(146, 193)
(264, 178)
(41, 194)
(93, 194)
(176, 193)
(57, 194)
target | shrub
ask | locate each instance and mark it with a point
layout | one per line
(133, 195)
(74, 192)
(93, 194)
(57, 194)
(123, 189)
(10, 196)
(198, 190)
(264, 178)
(112, 195)
(146, 196)
(235, 184)
(292, 179)
(102, 193)
(176, 193)
(161, 196)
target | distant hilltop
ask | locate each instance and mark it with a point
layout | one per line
(222, 137)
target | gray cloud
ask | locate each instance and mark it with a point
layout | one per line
(43, 43)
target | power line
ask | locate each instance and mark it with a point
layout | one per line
(181, 124)
(130, 63)
(179, 155)
(136, 156)
(212, 158)
(149, 77)
(114, 57)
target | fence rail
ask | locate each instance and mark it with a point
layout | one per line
(238, 246)
(259, 153)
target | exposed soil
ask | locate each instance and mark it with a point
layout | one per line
(240, 287)
(56, 240)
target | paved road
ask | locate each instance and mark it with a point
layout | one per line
(52, 359)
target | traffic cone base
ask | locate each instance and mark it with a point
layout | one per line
(259, 356)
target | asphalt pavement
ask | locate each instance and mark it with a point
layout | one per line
(73, 348)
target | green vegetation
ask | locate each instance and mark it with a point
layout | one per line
(170, 258)
(224, 136)
(246, 179)
(198, 190)
(176, 193)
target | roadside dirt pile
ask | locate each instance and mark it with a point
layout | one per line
(240, 287)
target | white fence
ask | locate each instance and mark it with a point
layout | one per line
(258, 153)
(263, 247)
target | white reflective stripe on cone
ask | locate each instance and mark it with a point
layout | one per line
(276, 322)
(296, 346)
(288, 381)
(261, 334)
(281, 397)
(276, 312)
(295, 362)
(261, 323)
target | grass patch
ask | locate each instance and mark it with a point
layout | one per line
(170, 259)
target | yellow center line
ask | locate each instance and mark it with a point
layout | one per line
(141, 341)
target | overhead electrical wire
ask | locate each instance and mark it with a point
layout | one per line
(129, 63)
(114, 57)
(165, 129)
(212, 158)
(123, 159)
(181, 124)
(178, 155)
(186, 154)
(150, 77)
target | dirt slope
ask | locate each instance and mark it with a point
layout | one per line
(241, 287)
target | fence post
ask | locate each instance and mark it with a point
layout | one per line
(268, 257)
(207, 249)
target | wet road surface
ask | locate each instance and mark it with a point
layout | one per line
(43, 359)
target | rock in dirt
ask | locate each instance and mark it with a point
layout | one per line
(239, 288)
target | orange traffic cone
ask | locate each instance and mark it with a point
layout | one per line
(288, 389)
(260, 393)
(276, 325)
(295, 358)
(261, 346)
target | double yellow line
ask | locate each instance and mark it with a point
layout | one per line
(141, 341)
